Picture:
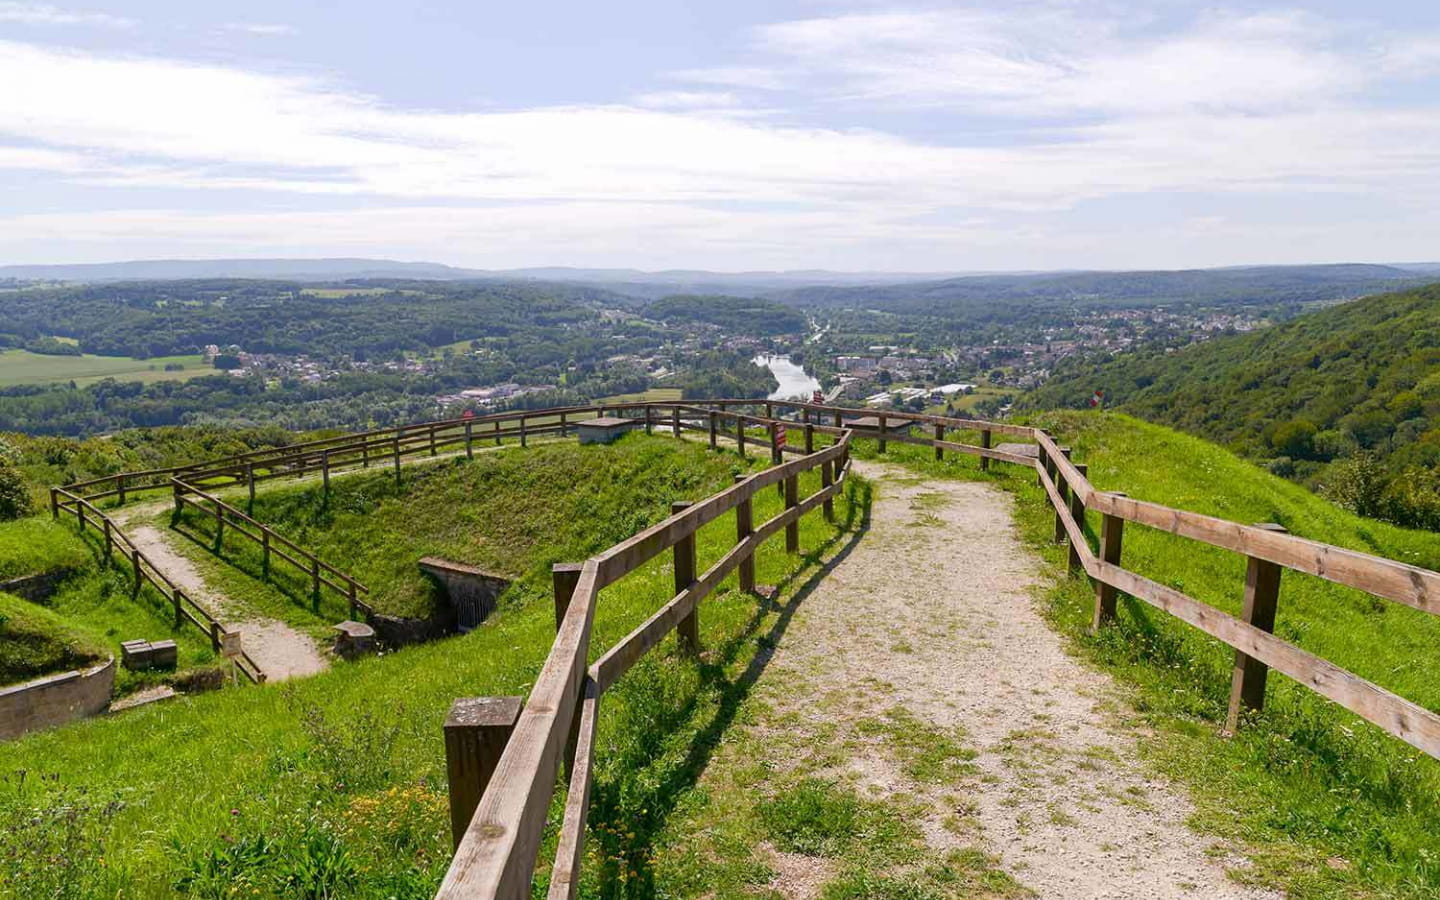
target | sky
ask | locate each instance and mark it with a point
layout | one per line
(734, 135)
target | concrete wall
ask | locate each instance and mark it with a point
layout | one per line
(35, 588)
(55, 700)
(472, 592)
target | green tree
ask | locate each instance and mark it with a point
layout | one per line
(1295, 439)
(15, 499)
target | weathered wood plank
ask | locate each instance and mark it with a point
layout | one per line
(570, 854)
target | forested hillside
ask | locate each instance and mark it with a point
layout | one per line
(1346, 400)
(739, 315)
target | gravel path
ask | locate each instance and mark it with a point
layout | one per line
(936, 605)
(280, 651)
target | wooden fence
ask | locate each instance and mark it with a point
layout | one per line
(496, 855)
(143, 571)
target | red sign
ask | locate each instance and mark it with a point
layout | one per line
(468, 414)
(780, 435)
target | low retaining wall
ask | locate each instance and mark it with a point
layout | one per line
(55, 700)
(472, 592)
(36, 588)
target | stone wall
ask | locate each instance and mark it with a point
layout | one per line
(472, 592)
(36, 588)
(55, 699)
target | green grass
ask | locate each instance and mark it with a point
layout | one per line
(653, 395)
(339, 779)
(513, 512)
(19, 367)
(1331, 806)
(35, 641)
(36, 544)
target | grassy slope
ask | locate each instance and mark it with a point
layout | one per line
(1333, 807)
(24, 367)
(512, 511)
(96, 600)
(35, 641)
(282, 766)
(1330, 368)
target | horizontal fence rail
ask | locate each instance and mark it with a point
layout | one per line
(496, 856)
(143, 572)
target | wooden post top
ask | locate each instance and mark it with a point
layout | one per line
(484, 712)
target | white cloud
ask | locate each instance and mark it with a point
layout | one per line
(1027, 62)
(688, 100)
(44, 14)
(263, 29)
(1257, 105)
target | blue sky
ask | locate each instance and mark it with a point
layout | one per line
(736, 135)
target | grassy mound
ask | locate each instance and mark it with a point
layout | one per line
(1332, 805)
(35, 545)
(511, 511)
(334, 786)
(35, 641)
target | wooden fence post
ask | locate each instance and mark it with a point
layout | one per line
(214, 635)
(397, 459)
(1112, 536)
(365, 454)
(939, 436)
(564, 427)
(675, 420)
(315, 583)
(264, 553)
(985, 442)
(476, 732)
(325, 468)
(827, 478)
(120, 487)
(354, 598)
(497, 432)
(687, 630)
(250, 481)
(1262, 590)
(54, 504)
(1077, 512)
(881, 420)
(839, 422)
(1063, 489)
(809, 436)
(219, 526)
(740, 435)
(744, 527)
(135, 588)
(649, 420)
(433, 449)
(469, 439)
(713, 432)
(792, 499)
(769, 410)
(564, 578)
(524, 433)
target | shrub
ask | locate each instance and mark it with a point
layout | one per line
(1358, 484)
(1295, 439)
(1282, 466)
(15, 502)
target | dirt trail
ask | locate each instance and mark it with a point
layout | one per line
(934, 608)
(280, 651)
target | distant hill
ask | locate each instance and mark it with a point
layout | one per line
(975, 294)
(1346, 399)
(737, 315)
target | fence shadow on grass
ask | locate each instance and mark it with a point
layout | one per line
(616, 800)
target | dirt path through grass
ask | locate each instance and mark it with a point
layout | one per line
(919, 676)
(280, 651)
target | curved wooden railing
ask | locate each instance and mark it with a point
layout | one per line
(496, 856)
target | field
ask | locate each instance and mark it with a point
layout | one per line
(334, 786)
(655, 395)
(1330, 806)
(19, 367)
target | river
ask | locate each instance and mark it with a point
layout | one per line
(795, 384)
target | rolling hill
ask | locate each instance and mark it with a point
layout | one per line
(1346, 399)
